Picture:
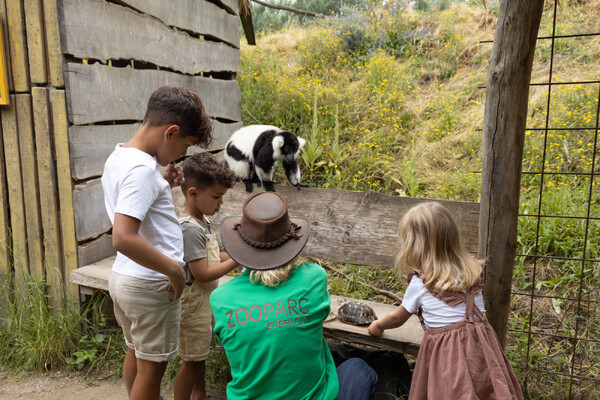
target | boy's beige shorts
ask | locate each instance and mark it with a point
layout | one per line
(148, 315)
(196, 323)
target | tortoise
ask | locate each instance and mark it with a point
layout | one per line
(356, 313)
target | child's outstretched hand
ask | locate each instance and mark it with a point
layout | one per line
(173, 175)
(375, 329)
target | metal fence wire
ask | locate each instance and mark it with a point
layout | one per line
(554, 326)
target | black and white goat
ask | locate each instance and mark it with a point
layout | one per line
(252, 151)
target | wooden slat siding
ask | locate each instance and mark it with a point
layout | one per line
(231, 6)
(5, 243)
(90, 145)
(121, 33)
(123, 93)
(10, 136)
(198, 16)
(96, 250)
(65, 190)
(4, 25)
(36, 44)
(29, 174)
(53, 47)
(91, 219)
(351, 227)
(18, 45)
(48, 192)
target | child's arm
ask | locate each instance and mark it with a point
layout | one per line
(203, 272)
(224, 256)
(392, 320)
(126, 240)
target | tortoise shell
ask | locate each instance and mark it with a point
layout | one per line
(356, 313)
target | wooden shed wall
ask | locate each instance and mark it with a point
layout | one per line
(80, 75)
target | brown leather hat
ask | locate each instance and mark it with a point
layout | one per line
(264, 237)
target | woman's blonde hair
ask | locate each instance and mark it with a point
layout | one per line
(272, 277)
(431, 245)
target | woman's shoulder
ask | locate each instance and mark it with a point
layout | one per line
(310, 271)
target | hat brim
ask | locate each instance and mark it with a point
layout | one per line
(257, 258)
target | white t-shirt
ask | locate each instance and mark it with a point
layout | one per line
(436, 313)
(134, 186)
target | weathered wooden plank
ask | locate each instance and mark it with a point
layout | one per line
(90, 145)
(504, 123)
(121, 33)
(91, 219)
(230, 5)
(36, 44)
(5, 242)
(94, 275)
(10, 136)
(17, 43)
(351, 227)
(29, 174)
(96, 250)
(48, 191)
(123, 93)
(5, 44)
(406, 339)
(53, 47)
(65, 190)
(198, 16)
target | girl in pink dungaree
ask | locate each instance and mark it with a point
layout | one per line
(460, 356)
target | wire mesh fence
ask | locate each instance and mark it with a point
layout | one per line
(554, 332)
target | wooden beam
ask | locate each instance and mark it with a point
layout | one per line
(91, 219)
(122, 33)
(5, 241)
(29, 175)
(36, 44)
(507, 95)
(48, 192)
(123, 93)
(54, 53)
(65, 190)
(17, 43)
(10, 136)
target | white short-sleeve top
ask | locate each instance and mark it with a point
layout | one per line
(134, 186)
(436, 313)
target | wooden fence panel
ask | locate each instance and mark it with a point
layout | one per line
(5, 242)
(18, 45)
(48, 193)
(29, 176)
(10, 136)
(121, 33)
(36, 44)
(53, 47)
(65, 190)
(201, 17)
(90, 145)
(91, 219)
(351, 227)
(99, 93)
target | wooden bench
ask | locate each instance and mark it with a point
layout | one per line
(357, 228)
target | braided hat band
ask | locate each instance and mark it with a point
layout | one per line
(269, 245)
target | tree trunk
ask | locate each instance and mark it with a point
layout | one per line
(507, 94)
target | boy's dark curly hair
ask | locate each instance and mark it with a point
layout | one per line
(170, 105)
(203, 170)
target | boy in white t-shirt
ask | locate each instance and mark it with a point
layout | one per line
(147, 277)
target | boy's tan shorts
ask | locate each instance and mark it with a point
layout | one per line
(148, 315)
(196, 324)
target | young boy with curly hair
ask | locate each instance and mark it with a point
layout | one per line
(206, 182)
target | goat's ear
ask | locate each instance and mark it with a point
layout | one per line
(277, 142)
(301, 143)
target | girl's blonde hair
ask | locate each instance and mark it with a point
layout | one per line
(272, 277)
(431, 245)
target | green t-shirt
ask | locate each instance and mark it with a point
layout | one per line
(273, 337)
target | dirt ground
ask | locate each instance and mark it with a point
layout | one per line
(63, 385)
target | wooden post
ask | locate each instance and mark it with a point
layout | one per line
(507, 94)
